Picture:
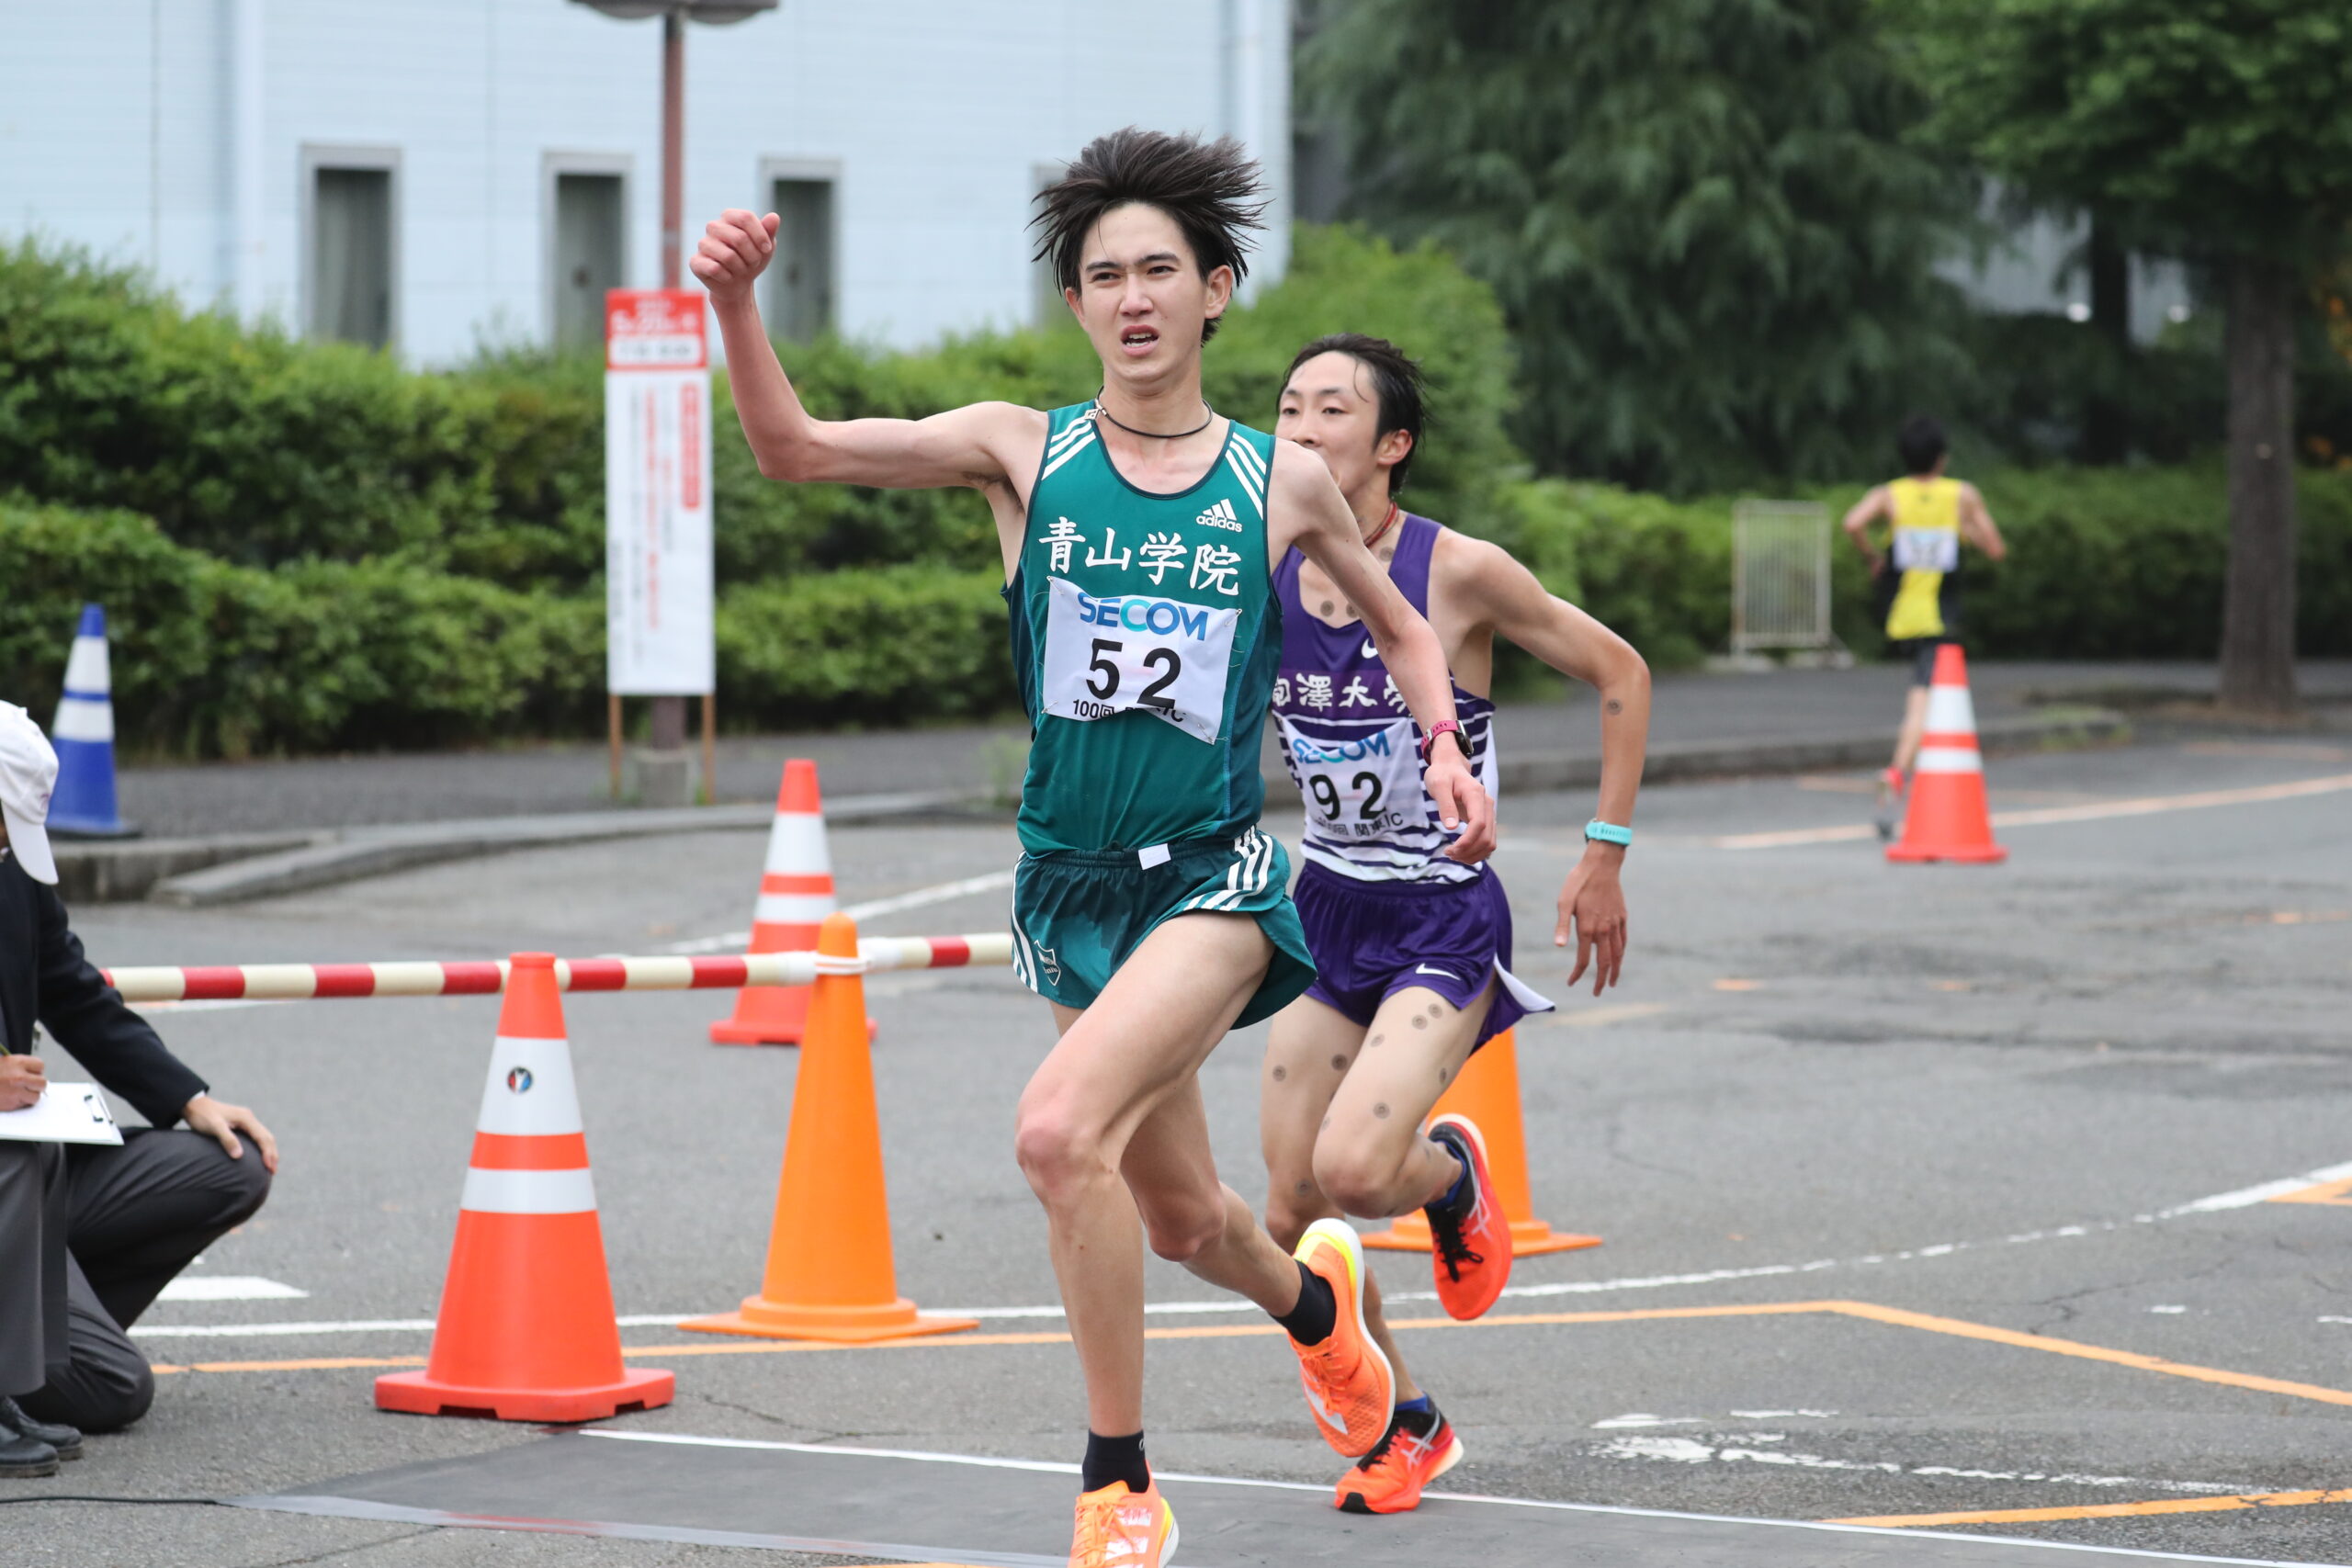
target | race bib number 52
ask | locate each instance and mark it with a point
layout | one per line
(1111, 654)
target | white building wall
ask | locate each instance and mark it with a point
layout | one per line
(120, 131)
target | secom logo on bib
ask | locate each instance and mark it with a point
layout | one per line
(1110, 655)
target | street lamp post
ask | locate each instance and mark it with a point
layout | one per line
(668, 725)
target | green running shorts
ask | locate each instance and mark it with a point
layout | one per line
(1076, 915)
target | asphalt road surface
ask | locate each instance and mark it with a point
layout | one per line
(1974, 1173)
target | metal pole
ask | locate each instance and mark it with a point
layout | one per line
(710, 748)
(670, 713)
(674, 137)
(613, 737)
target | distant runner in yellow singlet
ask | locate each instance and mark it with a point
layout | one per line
(1917, 579)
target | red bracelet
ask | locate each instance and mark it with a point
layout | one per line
(1443, 726)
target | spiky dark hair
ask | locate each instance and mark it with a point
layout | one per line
(1210, 188)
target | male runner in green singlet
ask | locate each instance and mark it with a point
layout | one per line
(1139, 532)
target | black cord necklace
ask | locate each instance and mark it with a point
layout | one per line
(1154, 434)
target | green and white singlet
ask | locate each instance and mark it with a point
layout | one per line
(1144, 636)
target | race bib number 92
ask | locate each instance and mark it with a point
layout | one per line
(1164, 656)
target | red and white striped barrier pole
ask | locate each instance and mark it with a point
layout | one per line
(295, 982)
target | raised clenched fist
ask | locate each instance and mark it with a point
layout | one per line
(734, 251)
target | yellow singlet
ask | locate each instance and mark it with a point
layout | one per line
(1926, 549)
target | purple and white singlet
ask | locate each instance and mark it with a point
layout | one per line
(1349, 739)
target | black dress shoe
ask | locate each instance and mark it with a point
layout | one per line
(25, 1458)
(66, 1440)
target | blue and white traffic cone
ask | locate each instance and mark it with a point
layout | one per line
(83, 806)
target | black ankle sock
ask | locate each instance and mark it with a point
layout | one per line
(1417, 1415)
(1114, 1459)
(1317, 1312)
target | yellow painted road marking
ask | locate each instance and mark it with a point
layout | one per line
(2143, 806)
(1893, 1316)
(2104, 1510)
(2336, 1192)
(1954, 1325)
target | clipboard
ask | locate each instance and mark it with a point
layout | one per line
(65, 1114)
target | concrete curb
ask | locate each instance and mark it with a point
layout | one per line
(125, 870)
(201, 873)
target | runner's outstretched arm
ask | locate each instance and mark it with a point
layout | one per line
(1873, 505)
(1976, 523)
(1522, 610)
(975, 445)
(1316, 516)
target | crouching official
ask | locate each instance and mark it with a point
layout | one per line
(90, 1233)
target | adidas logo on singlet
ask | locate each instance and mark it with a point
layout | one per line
(1221, 515)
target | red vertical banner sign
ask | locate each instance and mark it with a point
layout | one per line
(658, 587)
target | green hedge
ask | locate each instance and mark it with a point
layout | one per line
(263, 449)
(2105, 563)
(874, 649)
(214, 660)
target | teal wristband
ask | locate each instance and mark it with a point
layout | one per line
(1608, 833)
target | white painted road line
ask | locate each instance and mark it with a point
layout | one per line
(1474, 1498)
(2144, 806)
(1754, 1447)
(355, 1326)
(228, 1288)
(945, 892)
(2220, 1202)
(2247, 1197)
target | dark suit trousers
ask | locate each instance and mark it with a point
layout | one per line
(135, 1216)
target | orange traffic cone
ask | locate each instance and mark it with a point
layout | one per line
(527, 1331)
(1947, 818)
(830, 1274)
(796, 894)
(1488, 1093)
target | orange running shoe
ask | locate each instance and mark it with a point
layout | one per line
(1348, 1381)
(1120, 1528)
(1472, 1256)
(1389, 1479)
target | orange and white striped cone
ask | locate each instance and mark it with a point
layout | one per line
(1948, 817)
(1486, 1091)
(796, 894)
(527, 1330)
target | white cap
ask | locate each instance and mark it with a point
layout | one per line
(28, 773)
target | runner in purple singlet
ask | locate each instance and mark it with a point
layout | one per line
(1412, 950)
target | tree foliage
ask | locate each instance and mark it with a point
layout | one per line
(1713, 240)
(2217, 127)
(2224, 129)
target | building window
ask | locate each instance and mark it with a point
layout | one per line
(801, 277)
(351, 270)
(585, 260)
(1047, 306)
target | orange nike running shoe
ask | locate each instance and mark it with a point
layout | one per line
(1120, 1528)
(1348, 1383)
(1472, 1256)
(1389, 1479)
